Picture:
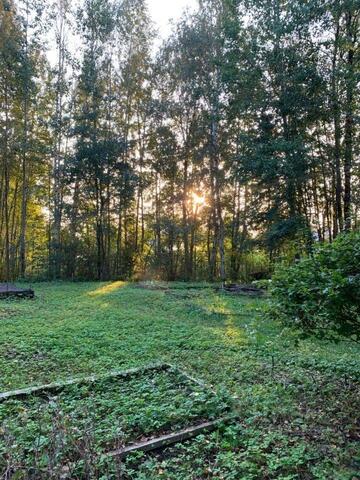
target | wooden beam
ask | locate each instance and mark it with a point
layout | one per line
(57, 386)
(148, 445)
(191, 379)
(54, 387)
(172, 438)
(8, 290)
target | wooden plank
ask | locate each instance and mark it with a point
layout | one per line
(191, 379)
(172, 438)
(8, 287)
(57, 386)
(148, 445)
(201, 383)
(51, 387)
(9, 290)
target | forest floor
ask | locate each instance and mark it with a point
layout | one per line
(297, 399)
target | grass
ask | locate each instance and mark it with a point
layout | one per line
(110, 412)
(298, 399)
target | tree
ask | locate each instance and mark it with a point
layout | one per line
(60, 133)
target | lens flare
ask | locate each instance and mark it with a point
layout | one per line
(198, 200)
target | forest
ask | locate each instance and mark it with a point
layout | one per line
(212, 155)
(179, 240)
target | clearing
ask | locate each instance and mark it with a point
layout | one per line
(297, 399)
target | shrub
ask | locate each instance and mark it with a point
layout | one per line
(321, 293)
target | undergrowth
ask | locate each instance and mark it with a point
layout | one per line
(298, 399)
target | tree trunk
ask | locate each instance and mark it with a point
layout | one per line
(339, 223)
(24, 168)
(57, 195)
(218, 214)
(185, 223)
(72, 256)
(349, 118)
(6, 189)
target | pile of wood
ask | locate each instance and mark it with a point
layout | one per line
(239, 289)
(9, 290)
(170, 286)
(234, 288)
(151, 286)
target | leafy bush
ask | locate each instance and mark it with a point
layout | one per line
(321, 293)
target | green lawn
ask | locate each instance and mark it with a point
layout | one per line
(298, 400)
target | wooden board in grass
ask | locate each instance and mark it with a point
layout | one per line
(9, 290)
(141, 409)
(240, 289)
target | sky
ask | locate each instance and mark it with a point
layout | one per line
(162, 11)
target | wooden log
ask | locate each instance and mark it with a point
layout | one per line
(172, 438)
(9, 290)
(55, 387)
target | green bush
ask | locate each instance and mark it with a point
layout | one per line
(321, 293)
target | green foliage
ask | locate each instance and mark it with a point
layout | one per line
(321, 293)
(297, 399)
(110, 411)
(249, 105)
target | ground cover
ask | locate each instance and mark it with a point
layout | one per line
(55, 426)
(298, 399)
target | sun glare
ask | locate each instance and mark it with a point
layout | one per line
(198, 200)
(106, 289)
